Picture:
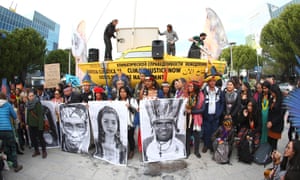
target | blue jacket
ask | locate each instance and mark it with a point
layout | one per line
(6, 112)
(219, 100)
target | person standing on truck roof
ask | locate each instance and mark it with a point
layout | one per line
(171, 38)
(108, 34)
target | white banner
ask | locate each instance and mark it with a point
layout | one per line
(51, 136)
(109, 123)
(163, 129)
(75, 127)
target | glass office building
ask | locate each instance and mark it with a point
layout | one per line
(259, 18)
(48, 29)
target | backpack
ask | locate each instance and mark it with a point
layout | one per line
(263, 154)
(244, 152)
(221, 153)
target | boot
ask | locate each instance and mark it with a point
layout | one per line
(18, 168)
(36, 153)
(44, 155)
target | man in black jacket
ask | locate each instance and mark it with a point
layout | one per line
(108, 33)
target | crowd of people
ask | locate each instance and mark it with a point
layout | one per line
(214, 115)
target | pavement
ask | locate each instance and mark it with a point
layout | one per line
(61, 165)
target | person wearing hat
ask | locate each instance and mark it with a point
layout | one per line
(214, 106)
(71, 96)
(224, 134)
(165, 142)
(140, 85)
(198, 43)
(87, 93)
(99, 94)
(194, 119)
(150, 89)
(41, 94)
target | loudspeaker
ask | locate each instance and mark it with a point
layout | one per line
(157, 49)
(93, 55)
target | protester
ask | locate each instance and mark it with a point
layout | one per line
(71, 96)
(87, 94)
(194, 119)
(264, 109)
(232, 103)
(198, 43)
(290, 165)
(214, 106)
(180, 93)
(6, 131)
(275, 118)
(108, 34)
(250, 124)
(99, 94)
(224, 135)
(35, 122)
(132, 106)
(171, 38)
(165, 88)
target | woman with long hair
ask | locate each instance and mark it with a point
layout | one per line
(132, 106)
(264, 107)
(194, 119)
(109, 145)
(275, 119)
(250, 124)
(290, 164)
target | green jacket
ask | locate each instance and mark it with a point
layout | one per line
(35, 116)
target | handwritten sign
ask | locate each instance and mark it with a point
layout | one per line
(52, 75)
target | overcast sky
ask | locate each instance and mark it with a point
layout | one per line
(186, 16)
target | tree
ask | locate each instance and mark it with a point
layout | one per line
(280, 38)
(243, 57)
(22, 50)
(62, 57)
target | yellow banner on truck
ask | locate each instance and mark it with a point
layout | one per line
(173, 67)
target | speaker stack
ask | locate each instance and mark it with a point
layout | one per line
(93, 55)
(157, 49)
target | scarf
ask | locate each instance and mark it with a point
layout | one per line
(31, 104)
(198, 117)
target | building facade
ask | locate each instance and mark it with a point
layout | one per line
(259, 18)
(48, 29)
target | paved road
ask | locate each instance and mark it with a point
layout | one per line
(67, 166)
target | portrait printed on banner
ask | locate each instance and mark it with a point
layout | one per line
(75, 127)
(163, 129)
(109, 122)
(51, 136)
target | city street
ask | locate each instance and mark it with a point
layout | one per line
(67, 166)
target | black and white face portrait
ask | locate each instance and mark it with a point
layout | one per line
(75, 128)
(163, 129)
(50, 136)
(109, 122)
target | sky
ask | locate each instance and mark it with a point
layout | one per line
(186, 16)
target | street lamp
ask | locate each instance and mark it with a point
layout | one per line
(231, 62)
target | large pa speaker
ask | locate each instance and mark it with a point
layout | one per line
(157, 49)
(93, 55)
